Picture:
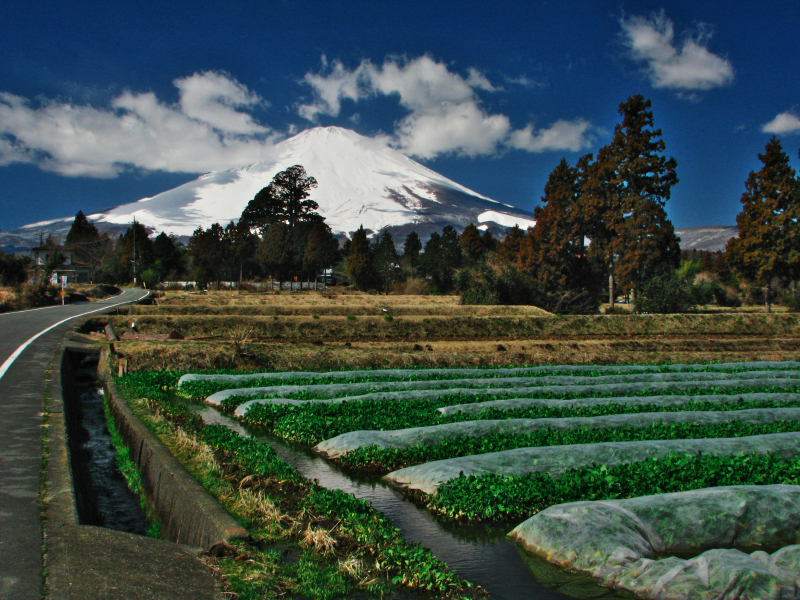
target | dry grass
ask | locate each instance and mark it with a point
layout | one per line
(238, 332)
(318, 538)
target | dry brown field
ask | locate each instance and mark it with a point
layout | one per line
(316, 331)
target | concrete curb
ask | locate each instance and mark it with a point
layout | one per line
(83, 562)
(187, 512)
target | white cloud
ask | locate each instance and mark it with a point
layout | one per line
(445, 112)
(214, 97)
(205, 131)
(461, 128)
(782, 124)
(687, 65)
(561, 135)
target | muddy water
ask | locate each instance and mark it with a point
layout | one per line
(102, 494)
(480, 554)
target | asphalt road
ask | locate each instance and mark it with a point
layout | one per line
(23, 364)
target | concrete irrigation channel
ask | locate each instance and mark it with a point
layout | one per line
(481, 554)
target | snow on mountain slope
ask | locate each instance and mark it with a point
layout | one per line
(361, 182)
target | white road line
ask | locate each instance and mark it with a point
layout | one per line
(10, 360)
(16, 312)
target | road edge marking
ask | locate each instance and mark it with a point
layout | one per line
(14, 355)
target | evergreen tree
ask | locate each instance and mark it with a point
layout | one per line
(508, 249)
(167, 255)
(441, 258)
(767, 246)
(471, 243)
(85, 242)
(274, 251)
(241, 245)
(135, 241)
(623, 200)
(322, 250)
(411, 250)
(284, 200)
(553, 252)
(489, 242)
(82, 231)
(359, 260)
(385, 259)
(207, 252)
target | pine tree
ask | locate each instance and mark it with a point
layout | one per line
(623, 200)
(553, 252)
(84, 241)
(322, 250)
(385, 259)
(168, 256)
(471, 243)
(359, 260)
(767, 246)
(411, 250)
(284, 200)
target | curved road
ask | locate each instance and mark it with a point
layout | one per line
(26, 346)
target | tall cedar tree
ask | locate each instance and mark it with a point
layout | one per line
(624, 195)
(385, 259)
(359, 261)
(321, 251)
(208, 252)
(411, 250)
(767, 246)
(241, 245)
(441, 258)
(553, 252)
(144, 251)
(87, 246)
(471, 243)
(167, 255)
(82, 232)
(284, 200)
(274, 251)
(508, 249)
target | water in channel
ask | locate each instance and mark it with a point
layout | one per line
(102, 494)
(478, 553)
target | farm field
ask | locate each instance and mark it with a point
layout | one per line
(481, 422)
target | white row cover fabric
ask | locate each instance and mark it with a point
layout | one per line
(619, 542)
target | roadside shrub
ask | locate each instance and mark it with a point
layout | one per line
(13, 270)
(42, 294)
(150, 278)
(666, 292)
(503, 284)
(791, 300)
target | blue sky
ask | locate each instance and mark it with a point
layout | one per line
(105, 103)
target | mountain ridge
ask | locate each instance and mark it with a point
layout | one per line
(361, 182)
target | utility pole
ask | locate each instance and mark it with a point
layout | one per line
(134, 250)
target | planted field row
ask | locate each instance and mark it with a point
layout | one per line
(204, 385)
(457, 396)
(497, 497)
(382, 452)
(499, 327)
(517, 478)
(314, 422)
(508, 386)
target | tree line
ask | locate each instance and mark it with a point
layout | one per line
(601, 232)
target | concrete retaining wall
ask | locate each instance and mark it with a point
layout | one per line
(187, 512)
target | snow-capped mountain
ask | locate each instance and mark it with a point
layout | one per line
(361, 182)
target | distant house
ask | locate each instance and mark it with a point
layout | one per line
(74, 272)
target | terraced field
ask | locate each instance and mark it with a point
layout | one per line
(444, 433)
(506, 444)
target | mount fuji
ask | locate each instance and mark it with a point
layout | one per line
(361, 182)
